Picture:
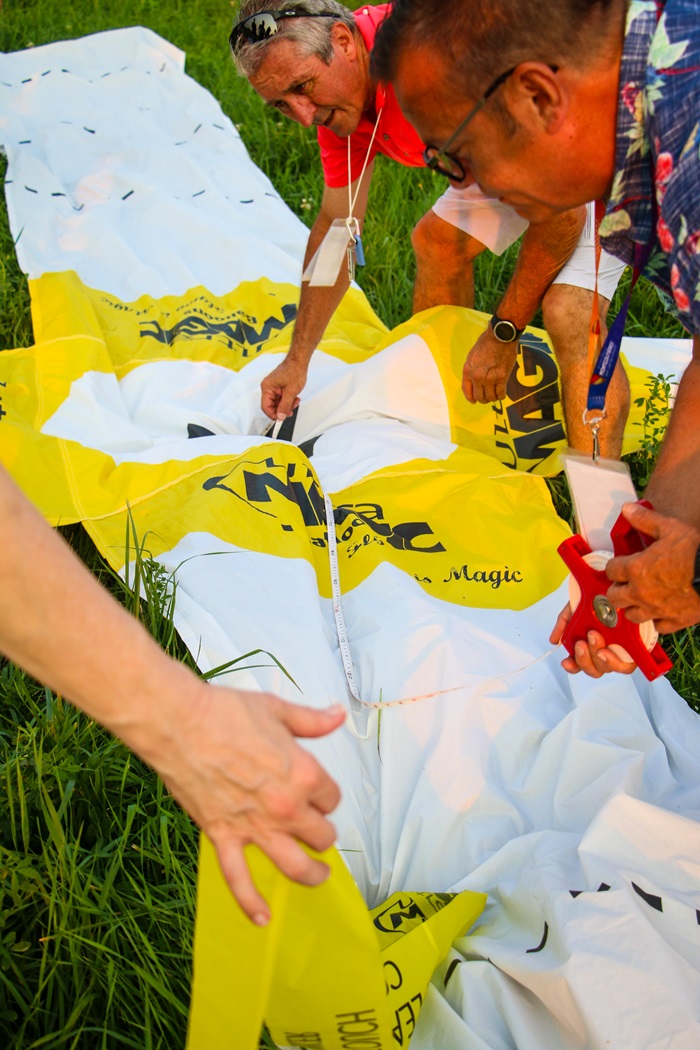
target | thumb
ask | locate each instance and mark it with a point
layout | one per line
(305, 721)
(286, 404)
(643, 519)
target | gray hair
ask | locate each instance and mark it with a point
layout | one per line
(314, 35)
(479, 39)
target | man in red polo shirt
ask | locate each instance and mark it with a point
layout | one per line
(310, 61)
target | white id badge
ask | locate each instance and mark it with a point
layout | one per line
(598, 490)
(324, 268)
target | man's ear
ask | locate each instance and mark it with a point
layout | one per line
(343, 38)
(537, 97)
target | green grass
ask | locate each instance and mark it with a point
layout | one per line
(97, 864)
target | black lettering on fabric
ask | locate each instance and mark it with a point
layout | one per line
(309, 1040)
(393, 977)
(528, 428)
(406, 1017)
(358, 1030)
(3, 413)
(493, 577)
(398, 912)
(234, 331)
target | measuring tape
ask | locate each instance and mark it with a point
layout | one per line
(340, 627)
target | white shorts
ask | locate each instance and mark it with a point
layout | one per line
(497, 226)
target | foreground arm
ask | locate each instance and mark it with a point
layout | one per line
(281, 388)
(229, 757)
(545, 248)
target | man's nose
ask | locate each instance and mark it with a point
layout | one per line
(303, 110)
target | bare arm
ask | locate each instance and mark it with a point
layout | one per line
(545, 248)
(228, 756)
(281, 388)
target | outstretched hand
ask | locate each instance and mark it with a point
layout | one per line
(234, 765)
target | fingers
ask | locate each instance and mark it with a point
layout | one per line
(643, 519)
(595, 659)
(235, 870)
(270, 399)
(560, 626)
(288, 401)
(305, 721)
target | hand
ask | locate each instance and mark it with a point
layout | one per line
(233, 763)
(281, 389)
(487, 368)
(657, 583)
(591, 656)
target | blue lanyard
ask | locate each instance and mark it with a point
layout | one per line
(610, 351)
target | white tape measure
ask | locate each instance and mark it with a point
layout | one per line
(340, 627)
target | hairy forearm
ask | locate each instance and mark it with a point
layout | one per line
(545, 248)
(62, 626)
(674, 487)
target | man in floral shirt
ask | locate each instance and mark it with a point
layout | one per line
(548, 109)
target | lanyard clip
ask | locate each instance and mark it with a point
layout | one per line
(594, 423)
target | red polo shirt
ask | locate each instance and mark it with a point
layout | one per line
(395, 137)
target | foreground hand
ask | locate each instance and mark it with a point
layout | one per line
(281, 389)
(487, 368)
(591, 656)
(234, 765)
(657, 583)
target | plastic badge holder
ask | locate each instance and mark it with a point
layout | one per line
(595, 613)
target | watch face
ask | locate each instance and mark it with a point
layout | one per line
(505, 331)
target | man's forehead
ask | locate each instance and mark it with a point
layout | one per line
(283, 66)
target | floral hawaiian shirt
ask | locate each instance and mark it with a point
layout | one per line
(656, 189)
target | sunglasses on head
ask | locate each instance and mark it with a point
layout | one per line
(266, 24)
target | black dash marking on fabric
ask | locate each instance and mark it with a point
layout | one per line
(30, 189)
(651, 899)
(196, 129)
(105, 75)
(24, 142)
(5, 84)
(451, 969)
(66, 122)
(251, 201)
(91, 131)
(123, 69)
(58, 194)
(199, 194)
(697, 917)
(287, 528)
(27, 81)
(65, 70)
(181, 143)
(78, 209)
(540, 946)
(8, 182)
(46, 73)
(127, 195)
(219, 126)
(194, 430)
(601, 889)
(18, 236)
(162, 68)
(307, 447)
(273, 195)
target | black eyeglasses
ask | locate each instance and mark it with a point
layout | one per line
(441, 160)
(266, 24)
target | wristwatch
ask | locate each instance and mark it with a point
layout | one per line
(505, 331)
(696, 571)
